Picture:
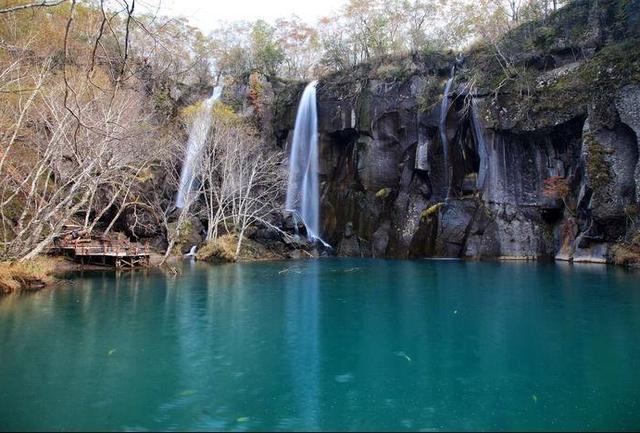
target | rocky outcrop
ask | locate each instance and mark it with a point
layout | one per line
(543, 160)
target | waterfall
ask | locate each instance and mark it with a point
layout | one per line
(192, 252)
(197, 138)
(444, 108)
(481, 145)
(303, 194)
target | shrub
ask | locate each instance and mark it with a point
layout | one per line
(544, 38)
(388, 71)
(626, 254)
(557, 188)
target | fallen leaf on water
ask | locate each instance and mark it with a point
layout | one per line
(404, 355)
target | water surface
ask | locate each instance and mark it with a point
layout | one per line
(330, 344)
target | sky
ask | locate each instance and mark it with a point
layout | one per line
(206, 14)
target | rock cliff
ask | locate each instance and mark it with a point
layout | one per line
(542, 135)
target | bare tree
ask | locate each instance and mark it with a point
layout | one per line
(77, 140)
(241, 180)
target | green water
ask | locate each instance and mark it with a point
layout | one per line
(325, 345)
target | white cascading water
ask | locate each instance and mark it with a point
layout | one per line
(303, 193)
(444, 109)
(481, 145)
(197, 137)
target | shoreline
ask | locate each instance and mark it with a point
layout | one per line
(59, 266)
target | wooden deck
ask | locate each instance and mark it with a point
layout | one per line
(116, 253)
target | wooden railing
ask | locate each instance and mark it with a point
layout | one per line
(90, 247)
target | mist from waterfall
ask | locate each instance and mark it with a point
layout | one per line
(444, 109)
(197, 138)
(303, 194)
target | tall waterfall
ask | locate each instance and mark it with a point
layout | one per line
(444, 109)
(303, 194)
(197, 138)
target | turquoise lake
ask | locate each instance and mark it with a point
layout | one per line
(329, 344)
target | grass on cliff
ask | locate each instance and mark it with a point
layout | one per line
(597, 79)
(628, 253)
(222, 249)
(16, 276)
(533, 99)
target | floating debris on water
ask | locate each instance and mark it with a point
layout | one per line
(291, 269)
(404, 355)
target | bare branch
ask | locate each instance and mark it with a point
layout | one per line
(41, 4)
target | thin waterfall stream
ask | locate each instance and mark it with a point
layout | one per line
(444, 109)
(197, 138)
(481, 146)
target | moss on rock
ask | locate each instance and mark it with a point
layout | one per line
(223, 250)
(383, 193)
(598, 167)
(431, 211)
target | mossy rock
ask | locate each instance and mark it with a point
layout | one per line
(431, 211)
(598, 168)
(383, 193)
(394, 70)
(188, 235)
(430, 93)
(544, 38)
(220, 250)
(223, 250)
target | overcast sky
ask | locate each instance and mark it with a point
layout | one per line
(206, 14)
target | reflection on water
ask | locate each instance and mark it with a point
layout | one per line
(328, 344)
(302, 343)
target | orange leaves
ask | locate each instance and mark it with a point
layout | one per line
(556, 187)
(255, 91)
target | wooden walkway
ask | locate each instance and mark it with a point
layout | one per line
(116, 253)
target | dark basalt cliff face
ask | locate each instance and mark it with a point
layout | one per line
(543, 139)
